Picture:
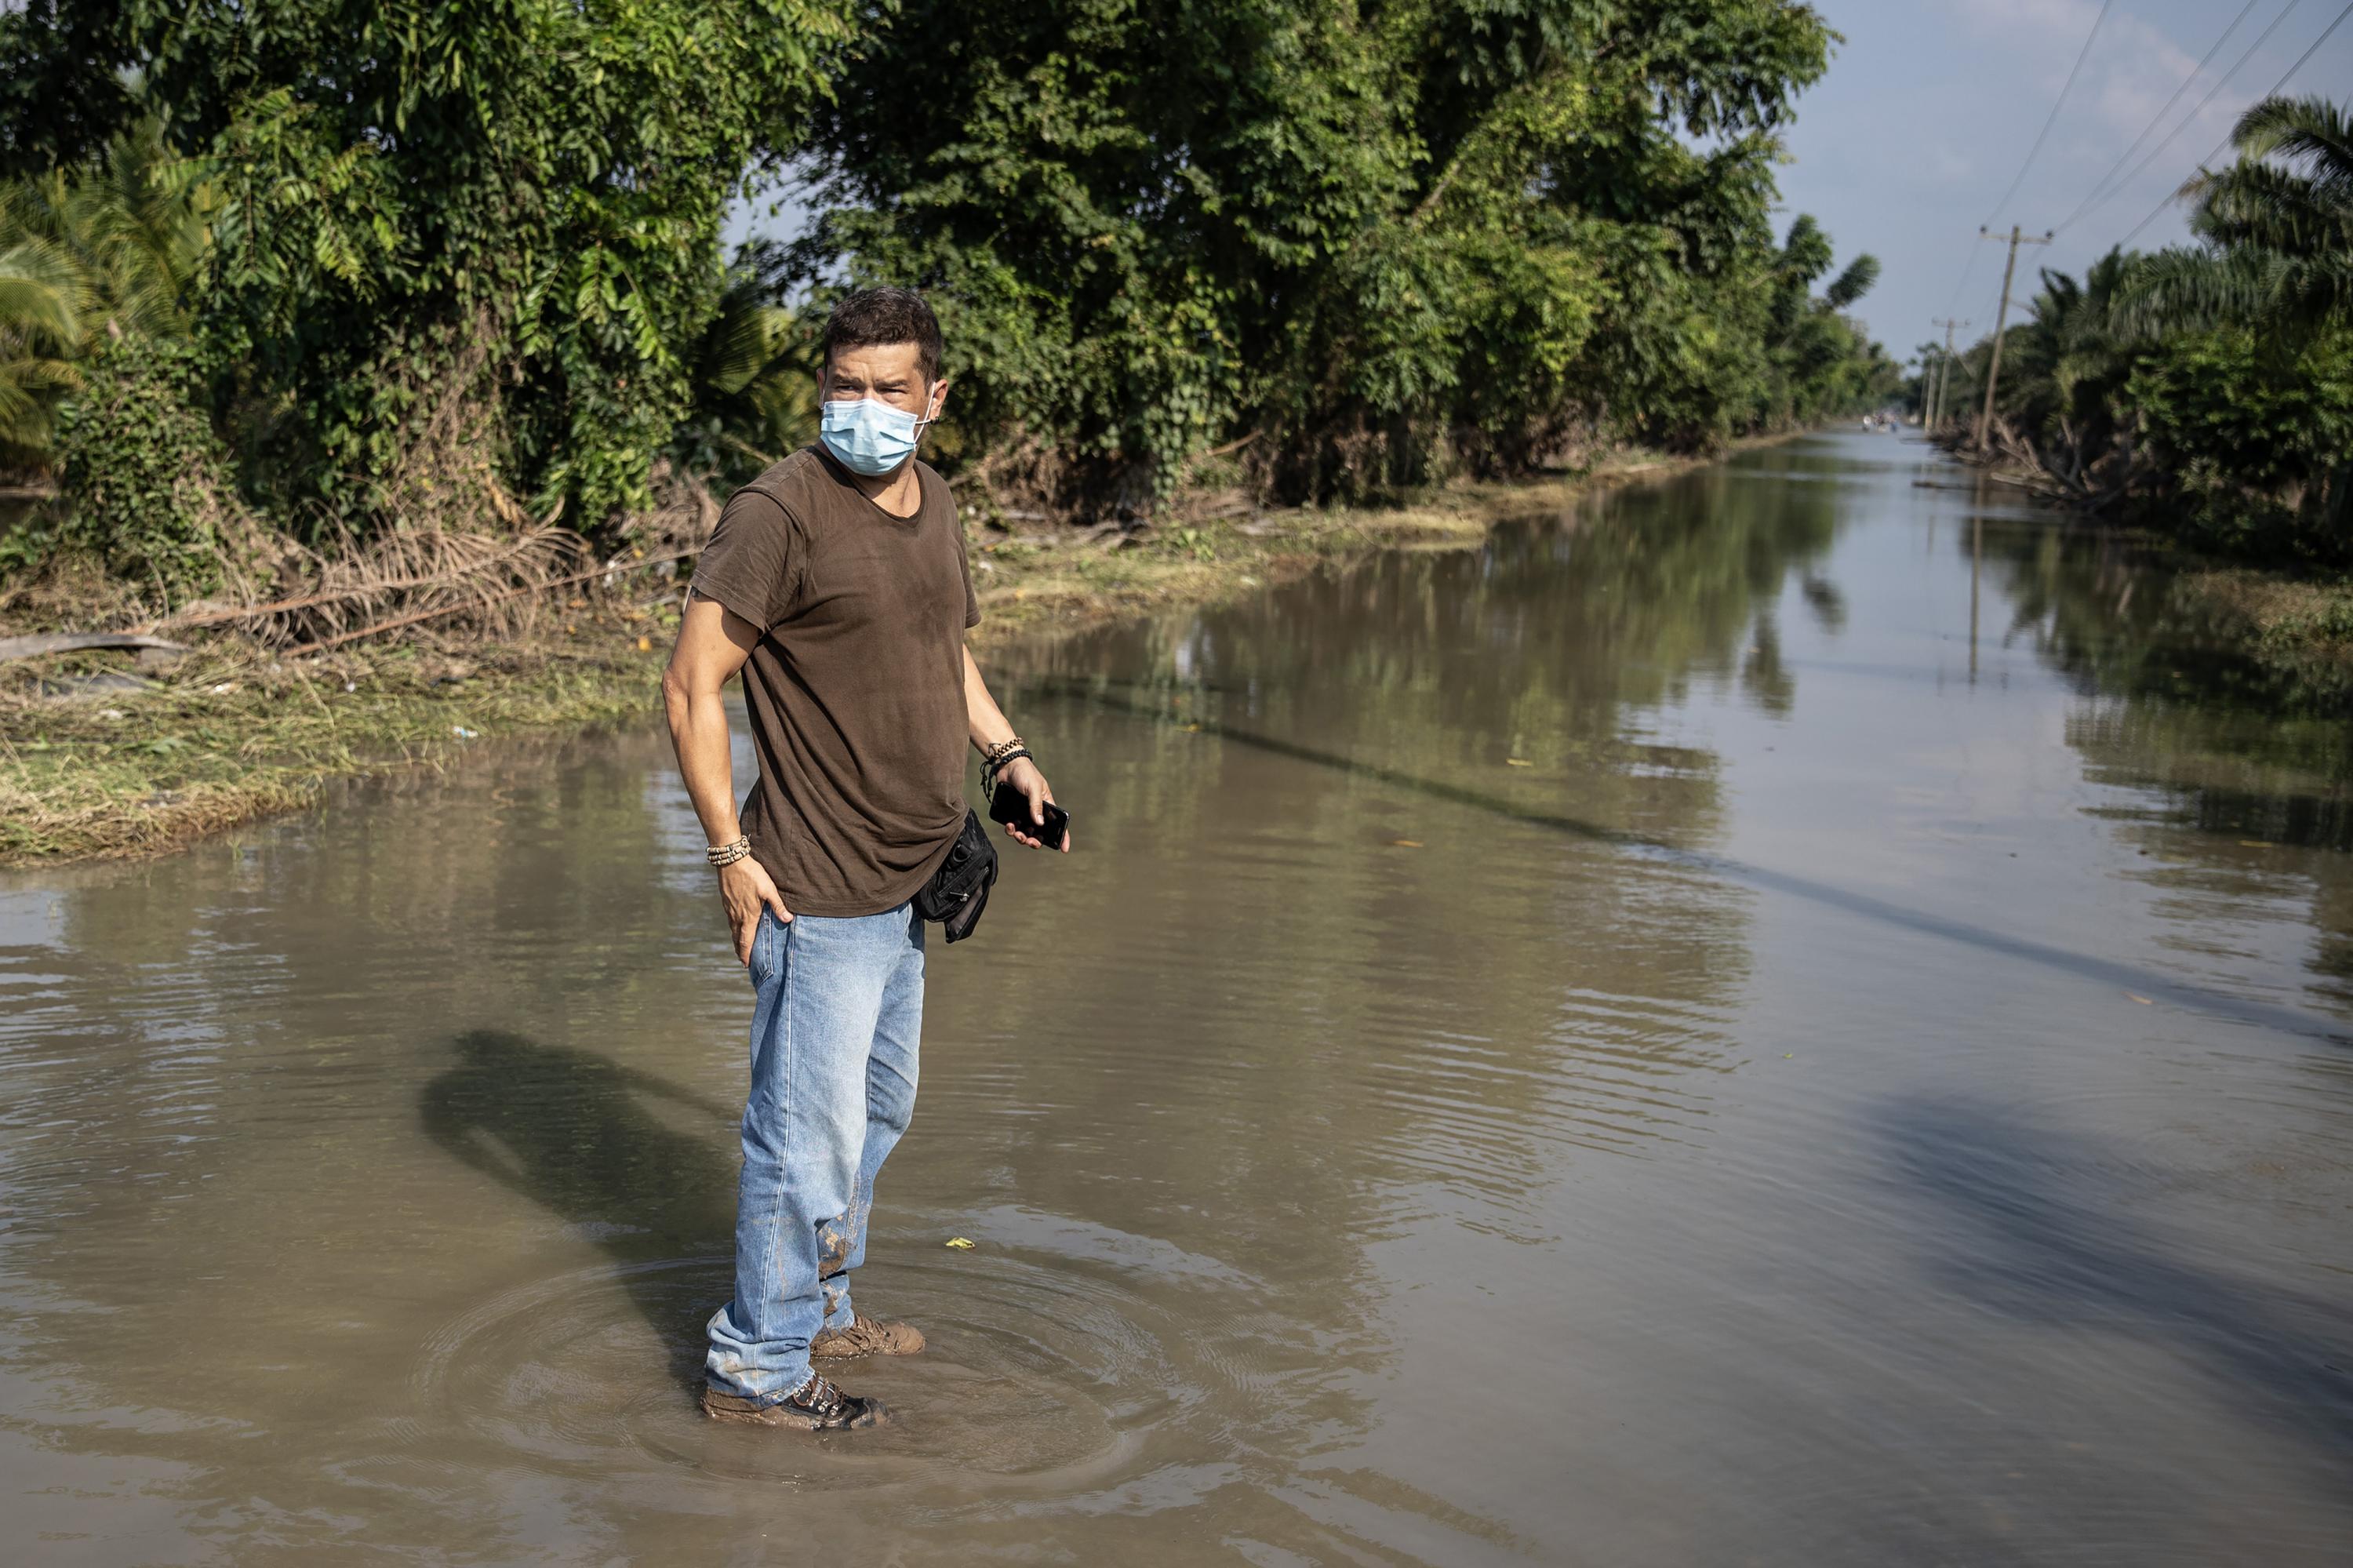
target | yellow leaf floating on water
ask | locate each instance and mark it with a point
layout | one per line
(962, 1244)
(1407, 844)
(2140, 999)
(1518, 762)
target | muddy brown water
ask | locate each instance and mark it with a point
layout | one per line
(1644, 1043)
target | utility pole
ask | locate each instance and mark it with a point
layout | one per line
(1934, 413)
(1993, 368)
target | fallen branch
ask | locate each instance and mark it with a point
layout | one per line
(33, 647)
(215, 615)
(396, 622)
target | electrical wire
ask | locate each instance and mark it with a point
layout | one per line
(2102, 184)
(2314, 49)
(1968, 267)
(2192, 119)
(2081, 55)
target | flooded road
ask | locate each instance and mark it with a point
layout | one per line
(1644, 1043)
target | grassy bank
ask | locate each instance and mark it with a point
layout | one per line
(99, 760)
(2297, 633)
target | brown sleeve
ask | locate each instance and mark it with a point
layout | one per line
(971, 600)
(963, 559)
(752, 565)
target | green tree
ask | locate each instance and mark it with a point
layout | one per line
(516, 204)
(2206, 387)
(88, 255)
(1371, 239)
(754, 373)
(2275, 231)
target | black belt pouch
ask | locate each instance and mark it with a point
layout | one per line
(958, 891)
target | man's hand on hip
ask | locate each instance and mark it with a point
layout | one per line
(1022, 775)
(745, 889)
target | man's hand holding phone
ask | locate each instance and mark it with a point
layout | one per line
(1024, 803)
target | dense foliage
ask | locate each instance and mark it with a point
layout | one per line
(1373, 239)
(403, 261)
(2210, 385)
(515, 204)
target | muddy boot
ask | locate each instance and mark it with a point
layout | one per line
(865, 1337)
(815, 1406)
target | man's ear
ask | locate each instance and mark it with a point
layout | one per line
(939, 398)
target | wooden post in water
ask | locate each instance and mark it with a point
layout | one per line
(1993, 367)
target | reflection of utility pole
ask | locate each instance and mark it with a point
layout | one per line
(1934, 413)
(1977, 553)
(1993, 369)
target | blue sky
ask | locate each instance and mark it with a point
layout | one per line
(1930, 106)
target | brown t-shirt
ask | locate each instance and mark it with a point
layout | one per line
(857, 687)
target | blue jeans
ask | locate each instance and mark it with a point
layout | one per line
(833, 1084)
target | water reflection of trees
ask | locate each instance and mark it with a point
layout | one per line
(1558, 644)
(2248, 770)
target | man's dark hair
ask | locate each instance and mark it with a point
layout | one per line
(868, 317)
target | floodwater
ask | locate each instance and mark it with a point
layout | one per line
(1793, 1016)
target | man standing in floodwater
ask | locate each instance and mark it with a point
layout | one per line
(836, 582)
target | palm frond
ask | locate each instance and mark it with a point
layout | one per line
(2312, 130)
(2183, 287)
(30, 385)
(43, 296)
(2258, 204)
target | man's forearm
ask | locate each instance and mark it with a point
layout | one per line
(984, 719)
(706, 760)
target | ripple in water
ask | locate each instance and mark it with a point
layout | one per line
(1037, 1374)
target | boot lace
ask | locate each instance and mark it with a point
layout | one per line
(818, 1396)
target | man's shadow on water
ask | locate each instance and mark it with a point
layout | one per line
(2048, 1240)
(576, 1133)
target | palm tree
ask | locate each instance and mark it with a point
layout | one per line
(2066, 399)
(85, 257)
(43, 300)
(2275, 228)
(755, 391)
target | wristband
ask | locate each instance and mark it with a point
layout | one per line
(996, 765)
(728, 854)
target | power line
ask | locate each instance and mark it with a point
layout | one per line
(1968, 268)
(2093, 193)
(2192, 119)
(2225, 142)
(2081, 55)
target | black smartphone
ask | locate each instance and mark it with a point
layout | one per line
(1011, 806)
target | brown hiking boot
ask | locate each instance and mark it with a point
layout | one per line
(865, 1337)
(815, 1406)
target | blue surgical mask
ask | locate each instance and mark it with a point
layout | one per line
(869, 437)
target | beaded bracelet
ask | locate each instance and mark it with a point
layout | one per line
(1000, 754)
(996, 765)
(728, 854)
